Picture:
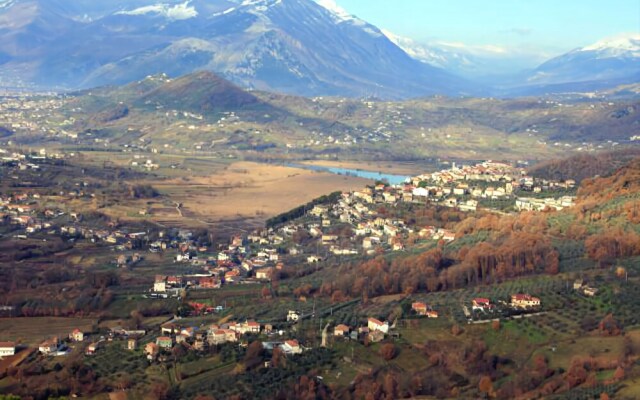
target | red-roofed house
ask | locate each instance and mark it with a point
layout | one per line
(76, 335)
(419, 308)
(151, 350)
(341, 330)
(208, 283)
(291, 347)
(252, 327)
(480, 303)
(377, 325)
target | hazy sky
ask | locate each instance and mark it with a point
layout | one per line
(529, 26)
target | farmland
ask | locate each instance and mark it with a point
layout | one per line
(32, 331)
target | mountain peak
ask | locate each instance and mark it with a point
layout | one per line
(627, 44)
(201, 90)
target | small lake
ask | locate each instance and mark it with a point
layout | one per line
(360, 173)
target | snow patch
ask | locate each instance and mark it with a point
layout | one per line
(6, 3)
(225, 12)
(176, 12)
(340, 13)
(622, 42)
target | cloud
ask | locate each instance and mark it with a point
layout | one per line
(517, 31)
(176, 13)
(475, 49)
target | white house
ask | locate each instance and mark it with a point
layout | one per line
(377, 325)
(291, 347)
(7, 349)
(160, 286)
(48, 346)
(293, 315)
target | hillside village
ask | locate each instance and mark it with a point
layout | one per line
(348, 224)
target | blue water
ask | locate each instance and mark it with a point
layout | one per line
(374, 176)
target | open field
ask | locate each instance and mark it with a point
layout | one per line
(210, 190)
(247, 190)
(32, 331)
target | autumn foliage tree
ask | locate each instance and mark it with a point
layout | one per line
(388, 351)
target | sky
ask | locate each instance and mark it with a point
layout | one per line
(539, 28)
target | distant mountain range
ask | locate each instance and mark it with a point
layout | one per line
(302, 47)
(602, 65)
(292, 46)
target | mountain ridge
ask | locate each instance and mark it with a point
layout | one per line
(289, 46)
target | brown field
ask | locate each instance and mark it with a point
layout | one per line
(32, 331)
(245, 191)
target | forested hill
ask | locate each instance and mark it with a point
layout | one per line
(584, 166)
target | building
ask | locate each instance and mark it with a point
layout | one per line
(92, 349)
(164, 342)
(377, 325)
(219, 336)
(432, 314)
(7, 349)
(341, 330)
(293, 316)
(264, 273)
(419, 308)
(169, 328)
(376, 336)
(577, 284)
(480, 303)
(291, 347)
(48, 346)
(76, 335)
(151, 350)
(160, 287)
(520, 300)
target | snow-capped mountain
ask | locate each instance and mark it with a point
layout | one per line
(437, 56)
(627, 46)
(295, 46)
(605, 63)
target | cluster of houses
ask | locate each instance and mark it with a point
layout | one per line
(172, 334)
(518, 301)
(164, 283)
(462, 187)
(371, 231)
(54, 346)
(582, 287)
(30, 114)
(533, 204)
(424, 309)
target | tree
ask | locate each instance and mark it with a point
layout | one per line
(619, 374)
(278, 358)
(485, 385)
(388, 351)
(253, 357)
